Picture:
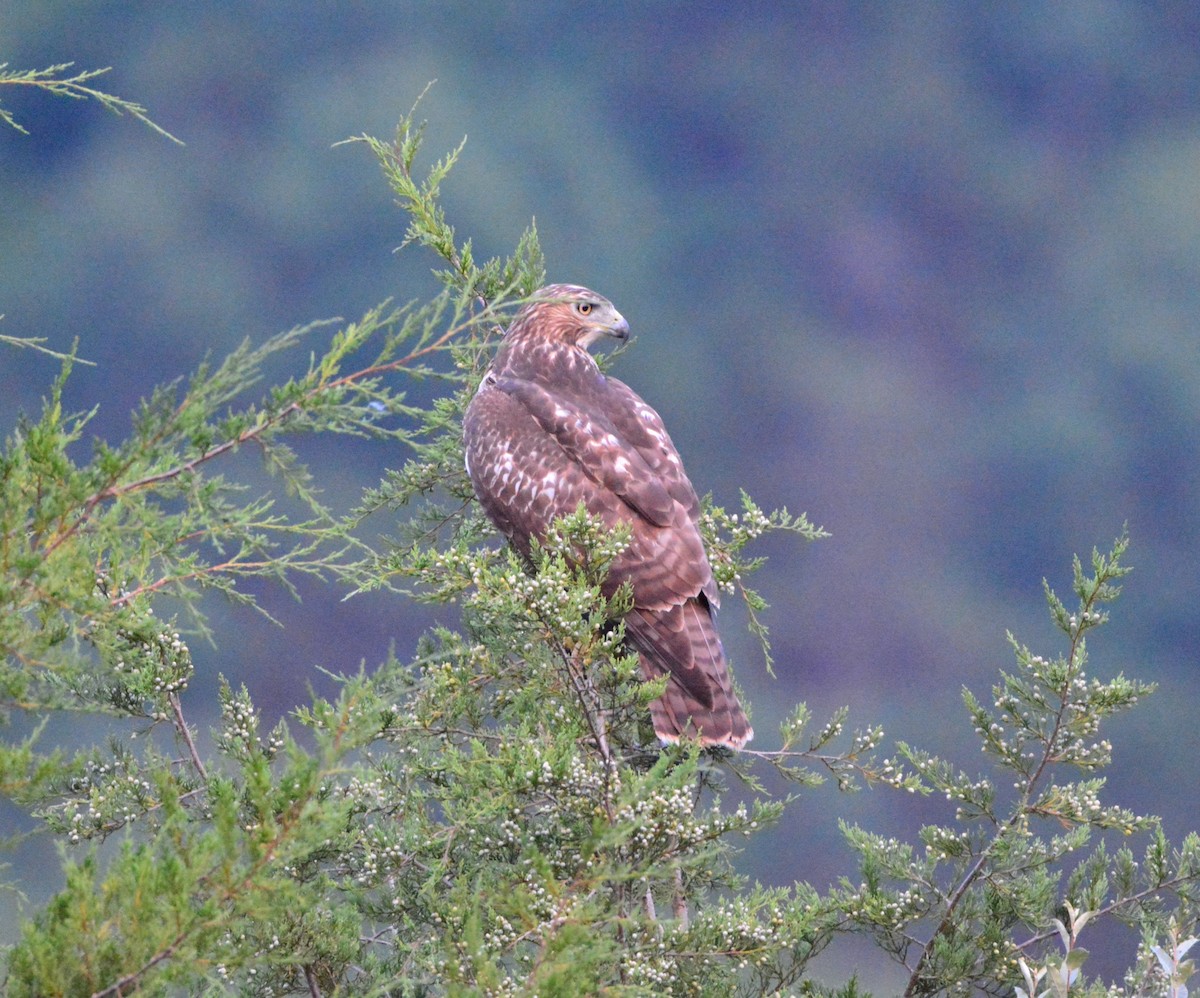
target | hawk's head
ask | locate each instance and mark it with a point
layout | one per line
(569, 314)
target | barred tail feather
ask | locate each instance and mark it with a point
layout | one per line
(699, 700)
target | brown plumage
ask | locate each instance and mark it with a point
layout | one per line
(546, 431)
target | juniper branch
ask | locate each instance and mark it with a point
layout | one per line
(53, 81)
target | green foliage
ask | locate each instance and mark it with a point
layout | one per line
(951, 910)
(492, 815)
(53, 80)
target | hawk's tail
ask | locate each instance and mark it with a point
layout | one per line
(699, 700)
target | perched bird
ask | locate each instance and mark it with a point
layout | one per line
(547, 430)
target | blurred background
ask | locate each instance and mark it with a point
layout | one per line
(928, 272)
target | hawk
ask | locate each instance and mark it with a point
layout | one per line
(546, 431)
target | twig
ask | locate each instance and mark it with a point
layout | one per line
(1114, 905)
(679, 904)
(268, 422)
(595, 719)
(185, 733)
(960, 891)
(130, 980)
(648, 904)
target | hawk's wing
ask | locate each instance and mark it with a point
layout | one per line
(610, 451)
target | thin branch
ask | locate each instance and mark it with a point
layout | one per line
(1019, 814)
(185, 733)
(648, 905)
(253, 433)
(679, 904)
(1113, 906)
(594, 714)
(48, 79)
(130, 981)
(36, 343)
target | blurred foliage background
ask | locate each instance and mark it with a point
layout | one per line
(928, 272)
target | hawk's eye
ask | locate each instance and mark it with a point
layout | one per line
(584, 307)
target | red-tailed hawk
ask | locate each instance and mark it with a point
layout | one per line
(546, 431)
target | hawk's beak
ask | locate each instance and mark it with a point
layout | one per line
(618, 328)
